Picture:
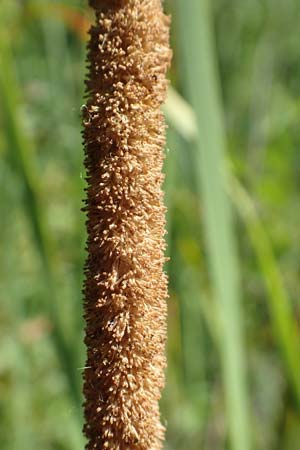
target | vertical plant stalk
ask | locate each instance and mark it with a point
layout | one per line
(125, 287)
(201, 75)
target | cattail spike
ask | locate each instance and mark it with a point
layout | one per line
(125, 287)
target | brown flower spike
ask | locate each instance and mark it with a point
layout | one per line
(125, 287)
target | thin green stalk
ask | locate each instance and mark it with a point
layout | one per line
(284, 324)
(201, 80)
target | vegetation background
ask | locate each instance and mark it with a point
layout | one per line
(233, 379)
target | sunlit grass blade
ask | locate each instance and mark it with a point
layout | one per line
(284, 324)
(202, 87)
(180, 115)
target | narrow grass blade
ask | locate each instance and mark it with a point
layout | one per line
(284, 324)
(180, 115)
(202, 87)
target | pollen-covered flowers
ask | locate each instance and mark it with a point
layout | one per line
(125, 287)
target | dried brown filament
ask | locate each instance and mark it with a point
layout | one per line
(125, 288)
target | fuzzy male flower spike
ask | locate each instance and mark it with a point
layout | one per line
(125, 287)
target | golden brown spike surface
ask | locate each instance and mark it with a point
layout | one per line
(125, 287)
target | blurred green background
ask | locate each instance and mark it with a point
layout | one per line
(232, 191)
